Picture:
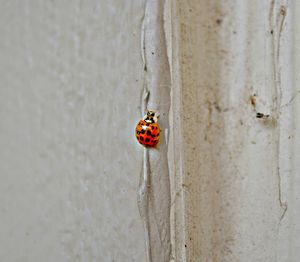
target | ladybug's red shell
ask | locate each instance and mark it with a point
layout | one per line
(147, 133)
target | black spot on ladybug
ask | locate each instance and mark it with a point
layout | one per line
(142, 131)
(148, 132)
(141, 138)
(147, 124)
(147, 139)
(152, 127)
(157, 134)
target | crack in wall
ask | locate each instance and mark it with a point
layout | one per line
(277, 18)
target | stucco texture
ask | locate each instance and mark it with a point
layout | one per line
(71, 76)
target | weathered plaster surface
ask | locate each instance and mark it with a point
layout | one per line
(236, 176)
(70, 82)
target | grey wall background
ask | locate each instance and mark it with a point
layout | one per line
(70, 85)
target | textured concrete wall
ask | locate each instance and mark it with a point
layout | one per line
(71, 76)
(236, 176)
(71, 80)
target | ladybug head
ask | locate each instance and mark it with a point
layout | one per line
(151, 116)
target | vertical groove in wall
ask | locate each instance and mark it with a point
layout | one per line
(178, 210)
(277, 19)
(154, 194)
(285, 20)
(278, 10)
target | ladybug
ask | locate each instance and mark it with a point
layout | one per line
(147, 130)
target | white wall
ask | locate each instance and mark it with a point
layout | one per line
(71, 76)
(71, 80)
